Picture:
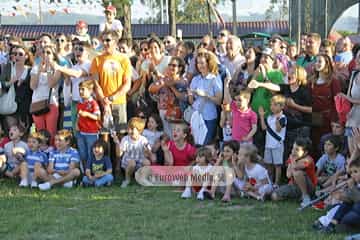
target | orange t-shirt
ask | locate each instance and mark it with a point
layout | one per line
(113, 70)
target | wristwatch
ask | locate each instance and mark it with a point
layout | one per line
(111, 98)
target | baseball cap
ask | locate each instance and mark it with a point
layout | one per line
(81, 24)
(110, 8)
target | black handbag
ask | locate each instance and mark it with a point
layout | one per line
(41, 107)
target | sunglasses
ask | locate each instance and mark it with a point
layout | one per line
(173, 65)
(204, 44)
(47, 52)
(144, 49)
(60, 40)
(107, 40)
(222, 34)
(80, 49)
(167, 42)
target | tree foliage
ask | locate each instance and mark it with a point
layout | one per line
(277, 8)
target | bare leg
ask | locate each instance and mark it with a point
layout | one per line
(23, 171)
(40, 173)
(74, 173)
(277, 174)
(130, 170)
(300, 180)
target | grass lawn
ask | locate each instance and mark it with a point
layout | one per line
(145, 213)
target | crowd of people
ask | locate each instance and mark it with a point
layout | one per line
(81, 109)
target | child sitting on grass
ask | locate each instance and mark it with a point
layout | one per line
(15, 151)
(252, 178)
(331, 164)
(225, 160)
(98, 167)
(35, 159)
(134, 149)
(202, 166)
(63, 166)
(301, 174)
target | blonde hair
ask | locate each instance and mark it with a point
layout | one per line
(65, 134)
(279, 99)
(89, 84)
(301, 75)
(137, 123)
(211, 61)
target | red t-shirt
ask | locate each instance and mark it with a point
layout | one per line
(309, 169)
(85, 124)
(4, 141)
(182, 157)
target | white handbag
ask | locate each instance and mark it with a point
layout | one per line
(8, 104)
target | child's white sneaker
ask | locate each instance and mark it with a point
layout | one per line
(34, 184)
(24, 183)
(68, 184)
(125, 183)
(186, 193)
(45, 186)
(200, 196)
(306, 201)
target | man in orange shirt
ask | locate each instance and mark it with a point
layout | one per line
(112, 72)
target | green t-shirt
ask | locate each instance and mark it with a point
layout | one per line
(304, 62)
(262, 96)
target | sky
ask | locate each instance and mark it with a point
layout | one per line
(244, 8)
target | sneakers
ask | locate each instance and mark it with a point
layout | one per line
(24, 183)
(125, 183)
(317, 225)
(319, 205)
(68, 184)
(329, 229)
(45, 186)
(187, 193)
(200, 196)
(306, 201)
(34, 184)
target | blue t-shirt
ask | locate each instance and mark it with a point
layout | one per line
(98, 166)
(211, 85)
(330, 167)
(344, 57)
(34, 157)
(62, 160)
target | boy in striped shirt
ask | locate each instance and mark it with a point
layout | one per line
(63, 163)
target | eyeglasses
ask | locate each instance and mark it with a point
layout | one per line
(60, 40)
(204, 44)
(47, 52)
(107, 40)
(144, 49)
(80, 49)
(173, 65)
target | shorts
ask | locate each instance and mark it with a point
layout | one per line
(292, 191)
(119, 114)
(265, 189)
(274, 155)
(125, 162)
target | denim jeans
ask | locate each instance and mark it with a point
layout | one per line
(106, 179)
(211, 127)
(84, 143)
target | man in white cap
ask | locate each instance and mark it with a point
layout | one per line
(111, 23)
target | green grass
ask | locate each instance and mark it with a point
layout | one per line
(145, 213)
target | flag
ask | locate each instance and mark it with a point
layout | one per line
(219, 18)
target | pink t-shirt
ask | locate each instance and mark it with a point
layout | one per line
(242, 122)
(182, 157)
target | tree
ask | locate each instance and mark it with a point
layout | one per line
(123, 9)
(172, 17)
(282, 8)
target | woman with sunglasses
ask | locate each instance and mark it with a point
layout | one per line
(17, 73)
(170, 92)
(45, 85)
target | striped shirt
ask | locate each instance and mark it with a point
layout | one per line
(62, 160)
(34, 157)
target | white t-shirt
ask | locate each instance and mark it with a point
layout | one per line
(115, 26)
(151, 136)
(8, 149)
(270, 141)
(234, 64)
(42, 90)
(76, 81)
(258, 173)
(134, 150)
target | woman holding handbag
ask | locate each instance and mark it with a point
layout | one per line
(206, 90)
(45, 99)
